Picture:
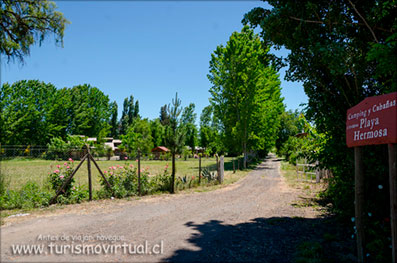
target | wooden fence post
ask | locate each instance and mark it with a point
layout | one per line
(199, 169)
(89, 173)
(217, 165)
(139, 172)
(221, 169)
(359, 199)
(234, 167)
(317, 172)
(393, 197)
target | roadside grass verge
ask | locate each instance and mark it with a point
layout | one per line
(334, 243)
(310, 191)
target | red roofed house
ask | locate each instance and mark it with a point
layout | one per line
(159, 150)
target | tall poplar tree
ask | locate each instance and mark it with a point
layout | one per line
(113, 119)
(124, 118)
(245, 93)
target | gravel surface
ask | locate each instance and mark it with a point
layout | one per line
(251, 220)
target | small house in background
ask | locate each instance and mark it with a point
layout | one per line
(158, 151)
(197, 149)
(92, 140)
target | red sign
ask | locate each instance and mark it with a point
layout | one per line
(372, 121)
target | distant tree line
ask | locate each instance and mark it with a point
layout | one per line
(242, 117)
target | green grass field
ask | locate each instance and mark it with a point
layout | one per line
(19, 171)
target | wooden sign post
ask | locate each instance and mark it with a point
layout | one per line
(373, 121)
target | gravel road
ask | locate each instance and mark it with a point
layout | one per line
(251, 220)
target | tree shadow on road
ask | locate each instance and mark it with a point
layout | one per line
(276, 239)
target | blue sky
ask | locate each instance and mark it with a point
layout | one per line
(148, 49)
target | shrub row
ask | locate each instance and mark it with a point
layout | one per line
(123, 181)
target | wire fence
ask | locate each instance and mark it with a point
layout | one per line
(20, 164)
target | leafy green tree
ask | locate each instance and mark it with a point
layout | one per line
(113, 120)
(136, 109)
(25, 107)
(33, 112)
(188, 114)
(139, 136)
(124, 118)
(24, 23)
(191, 136)
(58, 118)
(289, 126)
(89, 110)
(158, 131)
(245, 93)
(131, 110)
(209, 137)
(174, 134)
(188, 120)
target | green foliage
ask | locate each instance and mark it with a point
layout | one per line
(164, 116)
(161, 182)
(124, 117)
(124, 181)
(33, 112)
(113, 120)
(209, 135)
(158, 131)
(308, 146)
(188, 120)
(25, 23)
(57, 148)
(174, 131)
(139, 136)
(30, 196)
(60, 149)
(289, 126)
(25, 109)
(245, 93)
(174, 134)
(89, 110)
(129, 114)
(342, 53)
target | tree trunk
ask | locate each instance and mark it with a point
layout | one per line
(173, 174)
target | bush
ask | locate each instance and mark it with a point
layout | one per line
(77, 195)
(57, 149)
(123, 181)
(58, 177)
(30, 196)
(161, 182)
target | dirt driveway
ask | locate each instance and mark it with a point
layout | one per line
(251, 220)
